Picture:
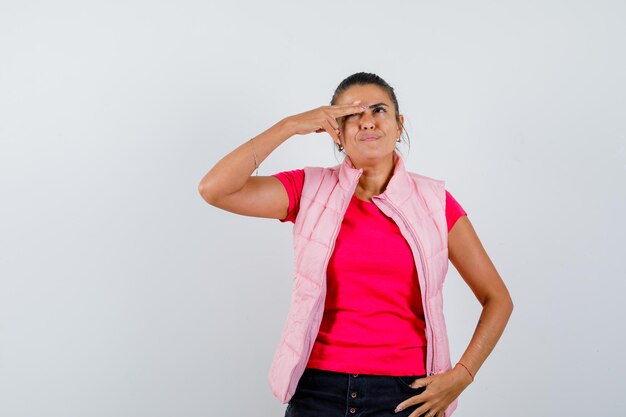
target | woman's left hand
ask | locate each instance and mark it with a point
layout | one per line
(441, 390)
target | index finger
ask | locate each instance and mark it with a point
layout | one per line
(340, 110)
(416, 399)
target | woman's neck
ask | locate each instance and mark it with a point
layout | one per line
(374, 179)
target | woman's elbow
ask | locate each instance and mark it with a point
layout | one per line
(502, 300)
(507, 303)
(206, 192)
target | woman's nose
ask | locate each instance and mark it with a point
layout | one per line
(367, 121)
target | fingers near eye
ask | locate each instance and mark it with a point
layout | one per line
(345, 110)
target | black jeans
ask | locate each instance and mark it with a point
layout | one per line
(323, 393)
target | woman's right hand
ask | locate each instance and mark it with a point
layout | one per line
(323, 119)
(230, 186)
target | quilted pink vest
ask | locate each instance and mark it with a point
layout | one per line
(417, 204)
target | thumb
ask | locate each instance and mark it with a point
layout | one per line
(421, 382)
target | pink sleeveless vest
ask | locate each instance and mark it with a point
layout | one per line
(417, 204)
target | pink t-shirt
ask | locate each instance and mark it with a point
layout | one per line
(373, 320)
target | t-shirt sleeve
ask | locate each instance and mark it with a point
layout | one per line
(293, 182)
(453, 210)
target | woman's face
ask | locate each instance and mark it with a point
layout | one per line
(372, 134)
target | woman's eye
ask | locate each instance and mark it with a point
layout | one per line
(380, 108)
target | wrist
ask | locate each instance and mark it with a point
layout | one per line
(465, 374)
(285, 126)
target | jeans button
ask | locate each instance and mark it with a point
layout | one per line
(353, 395)
(352, 410)
(355, 375)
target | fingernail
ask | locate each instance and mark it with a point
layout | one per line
(397, 409)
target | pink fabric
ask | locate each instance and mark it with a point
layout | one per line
(416, 203)
(373, 321)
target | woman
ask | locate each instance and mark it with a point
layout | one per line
(365, 333)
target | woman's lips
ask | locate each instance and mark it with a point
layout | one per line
(368, 138)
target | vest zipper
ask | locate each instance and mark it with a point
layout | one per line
(423, 270)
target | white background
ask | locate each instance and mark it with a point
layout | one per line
(122, 293)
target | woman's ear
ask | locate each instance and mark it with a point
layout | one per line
(401, 124)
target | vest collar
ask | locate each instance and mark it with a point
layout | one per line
(399, 186)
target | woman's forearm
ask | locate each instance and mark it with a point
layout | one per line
(443, 388)
(231, 172)
(493, 319)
